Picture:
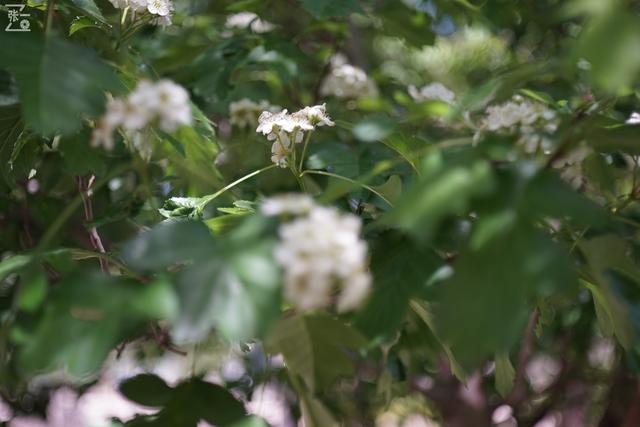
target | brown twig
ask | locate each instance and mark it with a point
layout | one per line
(519, 384)
(632, 419)
(84, 187)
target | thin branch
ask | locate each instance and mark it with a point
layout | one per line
(519, 384)
(71, 208)
(84, 187)
(632, 419)
(211, 197)
(352, 181)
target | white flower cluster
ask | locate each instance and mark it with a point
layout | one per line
(521, 115)
(432, 92)
(347, 81)
(286, 129)
(320, 251)
(244, 113)
(634, 119)
(244, 20)
(467, 50)
(571, 166)
(287, 204)
(164, 102)
(161, 9)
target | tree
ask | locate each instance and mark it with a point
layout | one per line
(389, 213)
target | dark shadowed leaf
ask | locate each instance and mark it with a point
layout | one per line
(400, 270)
(484, 305)
(146, 390)
(313, 347)
(330, 8)
(169, 243)
(59, 82)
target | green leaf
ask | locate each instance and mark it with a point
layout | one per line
(374, 128)
(146, 390)
(225, 223)
(548, 196)
(611, 44)
(12, 264)
(59, 82)
(96, 312)
(424, 312)
(247, 294)
(314, 412)
(623, 138)
(187, 404)
(238, 291)
(33, 289)
(79, 157)
(391, 189)
(181, 207)
(407, 147)
(331, 8)
(11, 127)
(483, 307)
(90, 8)
(400, 271)
(610, 253)
(504, 375)
(169, 243)
(313, 347)
(335, 158)
(440, 192)
(81, 23)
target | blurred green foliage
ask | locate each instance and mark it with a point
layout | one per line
(490, 241)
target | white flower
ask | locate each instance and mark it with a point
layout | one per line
(602, 353)
(248, 19)
(288, 129)
(317, 115)
(244, 113)
(173, 105)
(144, 97)
(520, 114)
(113, 117)
(541, 371)
(269, 401)
(570, 166)
(346, 81)
(634, 119)
(287, 204)
(432, 92)
(103, 402)
(163, 101)
(293, 122)
(138, 5)
(162, 21)
(279, 153)
(135, 116)
(268, 123)
(159, 7)
(318, 252)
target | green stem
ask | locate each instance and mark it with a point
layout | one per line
(304, 149)
(207, 199)
(80, 254)
(51, 7)
(344, 178)
(298, 177)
